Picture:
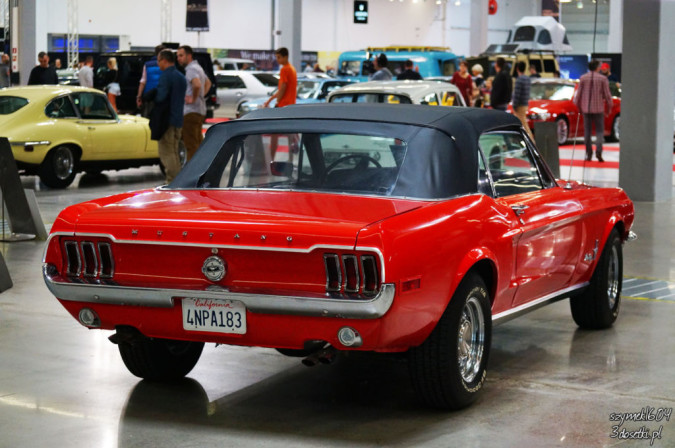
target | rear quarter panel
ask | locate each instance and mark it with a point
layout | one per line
(437, 245)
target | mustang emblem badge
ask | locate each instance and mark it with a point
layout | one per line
(214, 268)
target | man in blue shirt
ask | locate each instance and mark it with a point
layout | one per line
(166, 121)
(149, 81)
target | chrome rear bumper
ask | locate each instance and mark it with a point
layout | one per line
(310, 305)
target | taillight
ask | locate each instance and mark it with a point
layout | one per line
(333, 272)
(107, 262)
(371, 277)
(73, 262)
(88, 259)
(352, 274)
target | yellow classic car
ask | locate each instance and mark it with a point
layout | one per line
(58, 131)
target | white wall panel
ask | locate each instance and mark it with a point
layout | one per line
(327, 25)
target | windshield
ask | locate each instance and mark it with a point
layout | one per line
(267, 80)
(350, 68)
(370, 98)
(10, 104)
(549, 91)
(307, 89)
(308, 162)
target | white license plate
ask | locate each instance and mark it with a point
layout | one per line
(214, 315)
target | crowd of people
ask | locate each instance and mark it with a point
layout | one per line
(175, 102)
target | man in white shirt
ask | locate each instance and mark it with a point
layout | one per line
(194, 111)
(86, 73)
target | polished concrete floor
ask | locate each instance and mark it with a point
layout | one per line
(549, 383)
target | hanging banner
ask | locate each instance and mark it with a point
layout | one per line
(197, 17)
(360, 11)
(551, 8)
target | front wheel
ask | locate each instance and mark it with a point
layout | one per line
(563, 130)
(449, 368)
(160, 359)
(598, 306)
(58, 168)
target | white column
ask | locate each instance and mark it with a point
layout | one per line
(288, 29)
(27, 38)
(615, 37)
(479, 26)
(645, 171)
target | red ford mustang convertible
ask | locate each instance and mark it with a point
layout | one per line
(320, 229)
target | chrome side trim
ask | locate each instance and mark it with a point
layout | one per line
(525, 308)
(310, 305)
(31, 143)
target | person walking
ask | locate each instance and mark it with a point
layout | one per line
(148, 82)
(112, 87)
(594, 101)
(409, 72)
(4, 71)
(166, 120)
(382, 73)
(86, 73)
(288, 81)
(194, 111)
(521, 96)
(479, 85)
(501, 86)
(464, 82)
(43, 73)
(287, 91)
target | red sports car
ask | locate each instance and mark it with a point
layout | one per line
(551, 100)
(321, 229)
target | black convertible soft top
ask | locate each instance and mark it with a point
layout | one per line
(451, 120)
(442, 156)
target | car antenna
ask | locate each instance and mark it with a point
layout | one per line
(568, 185)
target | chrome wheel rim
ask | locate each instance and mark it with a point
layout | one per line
(471, 339)
(613, 278)
(182, 155)
(562, 131)
(64, 163)
(617, 122)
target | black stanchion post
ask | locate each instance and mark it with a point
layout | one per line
(546, 138)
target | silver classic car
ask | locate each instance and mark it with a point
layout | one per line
(432, 93)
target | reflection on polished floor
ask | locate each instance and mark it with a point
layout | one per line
(549, 383)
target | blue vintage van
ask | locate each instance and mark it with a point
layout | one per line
(432, 61)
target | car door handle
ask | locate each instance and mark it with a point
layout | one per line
(91, 128)
(519, 209)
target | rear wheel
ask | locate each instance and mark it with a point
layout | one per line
(598, 306)
(563, 130)
(160, 359)
(616, 131)
(58, 168)
(449, 368)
